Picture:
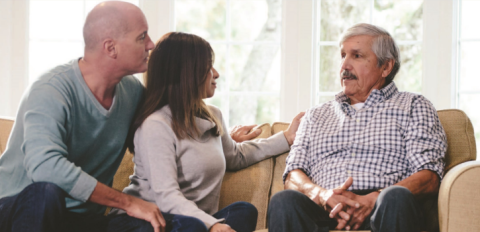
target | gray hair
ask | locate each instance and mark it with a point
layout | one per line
(383, 46)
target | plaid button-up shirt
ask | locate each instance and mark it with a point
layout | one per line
(393, 136)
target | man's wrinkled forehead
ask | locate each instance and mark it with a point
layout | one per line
(360, 43)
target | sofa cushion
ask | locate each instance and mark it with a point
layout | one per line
(460, 137)
(6, 125)
(277, 184)
(251, 184)
(121, 178)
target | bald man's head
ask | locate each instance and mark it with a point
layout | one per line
(108, 20)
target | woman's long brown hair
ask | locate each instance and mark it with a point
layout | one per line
(176, 76)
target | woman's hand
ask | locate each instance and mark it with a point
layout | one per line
(219, 227)
(241, 133)
(291, 131)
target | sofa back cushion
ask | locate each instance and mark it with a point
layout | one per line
(251, 184)
(460, 137)
(6, 125)
(277, 184)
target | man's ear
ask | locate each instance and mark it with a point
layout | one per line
(109, 48)
(387, 67)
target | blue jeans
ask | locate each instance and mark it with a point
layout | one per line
(241, 216)
(175, 223)
(41, 207)
(395, 210)
(38, 207)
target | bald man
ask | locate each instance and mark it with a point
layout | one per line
(69, 134)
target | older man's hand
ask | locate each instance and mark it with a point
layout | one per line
(241, 133)
(340, 207)
(357, 214)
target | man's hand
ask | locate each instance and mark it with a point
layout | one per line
(219, 227)
(291, 131)
(241, 133)
(340, 207)
(359, 215)
(134, 207)
(147, 211)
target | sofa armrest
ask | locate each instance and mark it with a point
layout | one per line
(458, 207)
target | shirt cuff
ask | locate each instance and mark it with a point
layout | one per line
(84, 187)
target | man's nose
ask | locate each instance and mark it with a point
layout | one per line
(346, 65)
(150, 44)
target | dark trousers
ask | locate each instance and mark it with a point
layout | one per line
(395, 210)
(240, 216)
(40, 207)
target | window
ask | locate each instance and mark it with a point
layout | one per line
(402, 19)
(245, 36)
(56, 32)
(467, 91)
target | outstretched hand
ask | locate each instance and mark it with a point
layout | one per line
(291, 131)
(241, 133)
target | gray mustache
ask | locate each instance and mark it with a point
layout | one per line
(348, 74)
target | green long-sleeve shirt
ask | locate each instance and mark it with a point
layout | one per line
(64, 136)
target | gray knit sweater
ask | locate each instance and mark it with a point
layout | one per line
(184, 176)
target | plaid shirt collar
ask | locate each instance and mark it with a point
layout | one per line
(375, 97)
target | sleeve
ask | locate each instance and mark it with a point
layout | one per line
(44, 144)
(244, 154)
(426, 142)
(298, 156)
(155, 143)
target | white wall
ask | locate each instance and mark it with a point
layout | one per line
(13, 54)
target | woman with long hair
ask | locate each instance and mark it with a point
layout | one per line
(181, 148)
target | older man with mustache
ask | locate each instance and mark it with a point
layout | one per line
(367, 159)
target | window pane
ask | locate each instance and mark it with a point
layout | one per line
(469, 79)
(247, 50)
(256, 11)
(250, 66)
(252, 109)
(402, 19)
(409, 77)
(466, 101)
(330, 61)
(221, 101)
(469, 19)
(205, 18)
(338, 15)
(58, 20)
(267, 109)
